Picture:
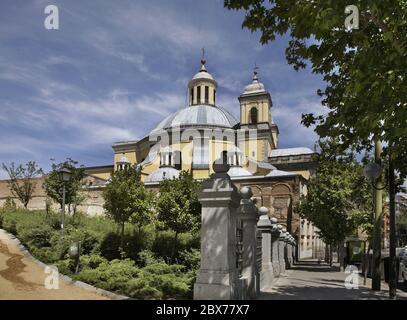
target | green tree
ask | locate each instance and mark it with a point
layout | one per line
(22, 180)
(338, 199)
(178, 207)
(53, 185)
(364, 69)
(127, 200)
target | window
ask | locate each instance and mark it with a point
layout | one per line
(177, 160)
(199, 95)
(206, 94)
(192, 96)
(214, 96)
(253, 115)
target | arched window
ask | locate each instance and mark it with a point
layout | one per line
(191, 95)
(206, 94)
(253, 115)
(198, 95)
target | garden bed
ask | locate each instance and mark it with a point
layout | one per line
(145, 272)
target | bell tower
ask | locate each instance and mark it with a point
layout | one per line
(255, 113)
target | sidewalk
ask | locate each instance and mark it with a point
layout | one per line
(310, 281)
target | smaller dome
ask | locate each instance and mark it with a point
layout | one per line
(203, 74)
(162, 173)
(255, 87)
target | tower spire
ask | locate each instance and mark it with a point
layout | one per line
(203, 61)
(255, 78)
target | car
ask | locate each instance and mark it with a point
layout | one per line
(403, 263)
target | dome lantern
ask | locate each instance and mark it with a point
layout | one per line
(202, 87)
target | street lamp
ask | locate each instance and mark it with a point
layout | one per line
(372, 171)
(64, 176)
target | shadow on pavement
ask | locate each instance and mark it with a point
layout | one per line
(319, 293)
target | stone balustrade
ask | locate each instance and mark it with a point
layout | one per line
(242, 249)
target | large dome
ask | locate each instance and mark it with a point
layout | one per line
(198, 116)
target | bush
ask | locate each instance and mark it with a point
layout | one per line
(47, 255)
(91, 261)
(190, 259)
(164, 240)
(133, 245)
(9, 204)
(113, 275)
(38, 236)
(147, 257)
(9, 223)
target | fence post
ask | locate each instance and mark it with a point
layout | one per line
(275, 235)
(248, 216)
(281, 249)
(218, 276)
(264, 226)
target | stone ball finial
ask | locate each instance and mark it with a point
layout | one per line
(263, 211)
(246, 192)
(284, 230)
(280, 227)
(221, 165)
(273, 220)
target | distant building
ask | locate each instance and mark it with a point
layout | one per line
(401, 209)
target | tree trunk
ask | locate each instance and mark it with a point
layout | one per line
(330, 255)
(174, 246)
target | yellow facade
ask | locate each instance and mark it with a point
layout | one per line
(255, 116)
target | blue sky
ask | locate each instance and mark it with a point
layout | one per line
(114, 69)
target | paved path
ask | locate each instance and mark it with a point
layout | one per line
(22, 279)
(310, 281)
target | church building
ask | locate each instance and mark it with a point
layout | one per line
(202, 132)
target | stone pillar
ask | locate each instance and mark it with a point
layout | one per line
(286, 249)
(264, 226)
(275, 235)
(248, 217)
(218, 277)
(281, 249)
(289, 253)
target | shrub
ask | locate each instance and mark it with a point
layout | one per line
(113, 275)
(140, 289)
(9, 223)
(190, 259)
(133, 244)
(9, 204)
(91, 261)
(163, 243)
(47, 255)
(147, 257)
(35, 235)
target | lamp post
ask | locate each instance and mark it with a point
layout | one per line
(64, 176)
(372, 172)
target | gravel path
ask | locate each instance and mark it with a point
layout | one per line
(22, 279)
